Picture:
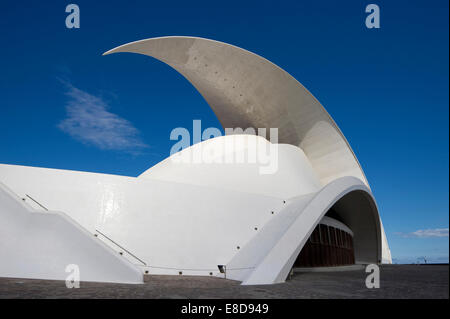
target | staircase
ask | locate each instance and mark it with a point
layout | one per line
(40, 244)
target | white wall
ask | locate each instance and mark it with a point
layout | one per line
(171, 226)
(186, 218)
(174, 227)
(41, 245)
(175, 217)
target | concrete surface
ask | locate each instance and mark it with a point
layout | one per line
(397, 281)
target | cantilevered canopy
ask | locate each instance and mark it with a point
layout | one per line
(245, 90)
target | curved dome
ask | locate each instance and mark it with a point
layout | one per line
(227, 159)
(245, 90)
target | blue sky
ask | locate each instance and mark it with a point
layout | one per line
(386, 88)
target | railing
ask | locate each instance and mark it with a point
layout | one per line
(45, 208)
(127, 251)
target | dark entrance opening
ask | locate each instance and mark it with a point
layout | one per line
(328, 245)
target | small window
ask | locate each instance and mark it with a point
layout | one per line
(339, 237)
(349, 241)
(348, 238)
(344, 239)
(315, 236)
(325, 237)
(333, 236)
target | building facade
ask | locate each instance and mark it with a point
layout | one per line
(208, 218)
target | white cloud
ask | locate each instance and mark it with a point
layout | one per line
(426, 233)
(89, 121)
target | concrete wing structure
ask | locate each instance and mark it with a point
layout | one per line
(245, 90)
(217, 218)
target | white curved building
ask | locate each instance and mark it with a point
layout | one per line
(215, 218)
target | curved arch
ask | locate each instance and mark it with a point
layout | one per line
(353, 208)
(245, 90)
(270, 255)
